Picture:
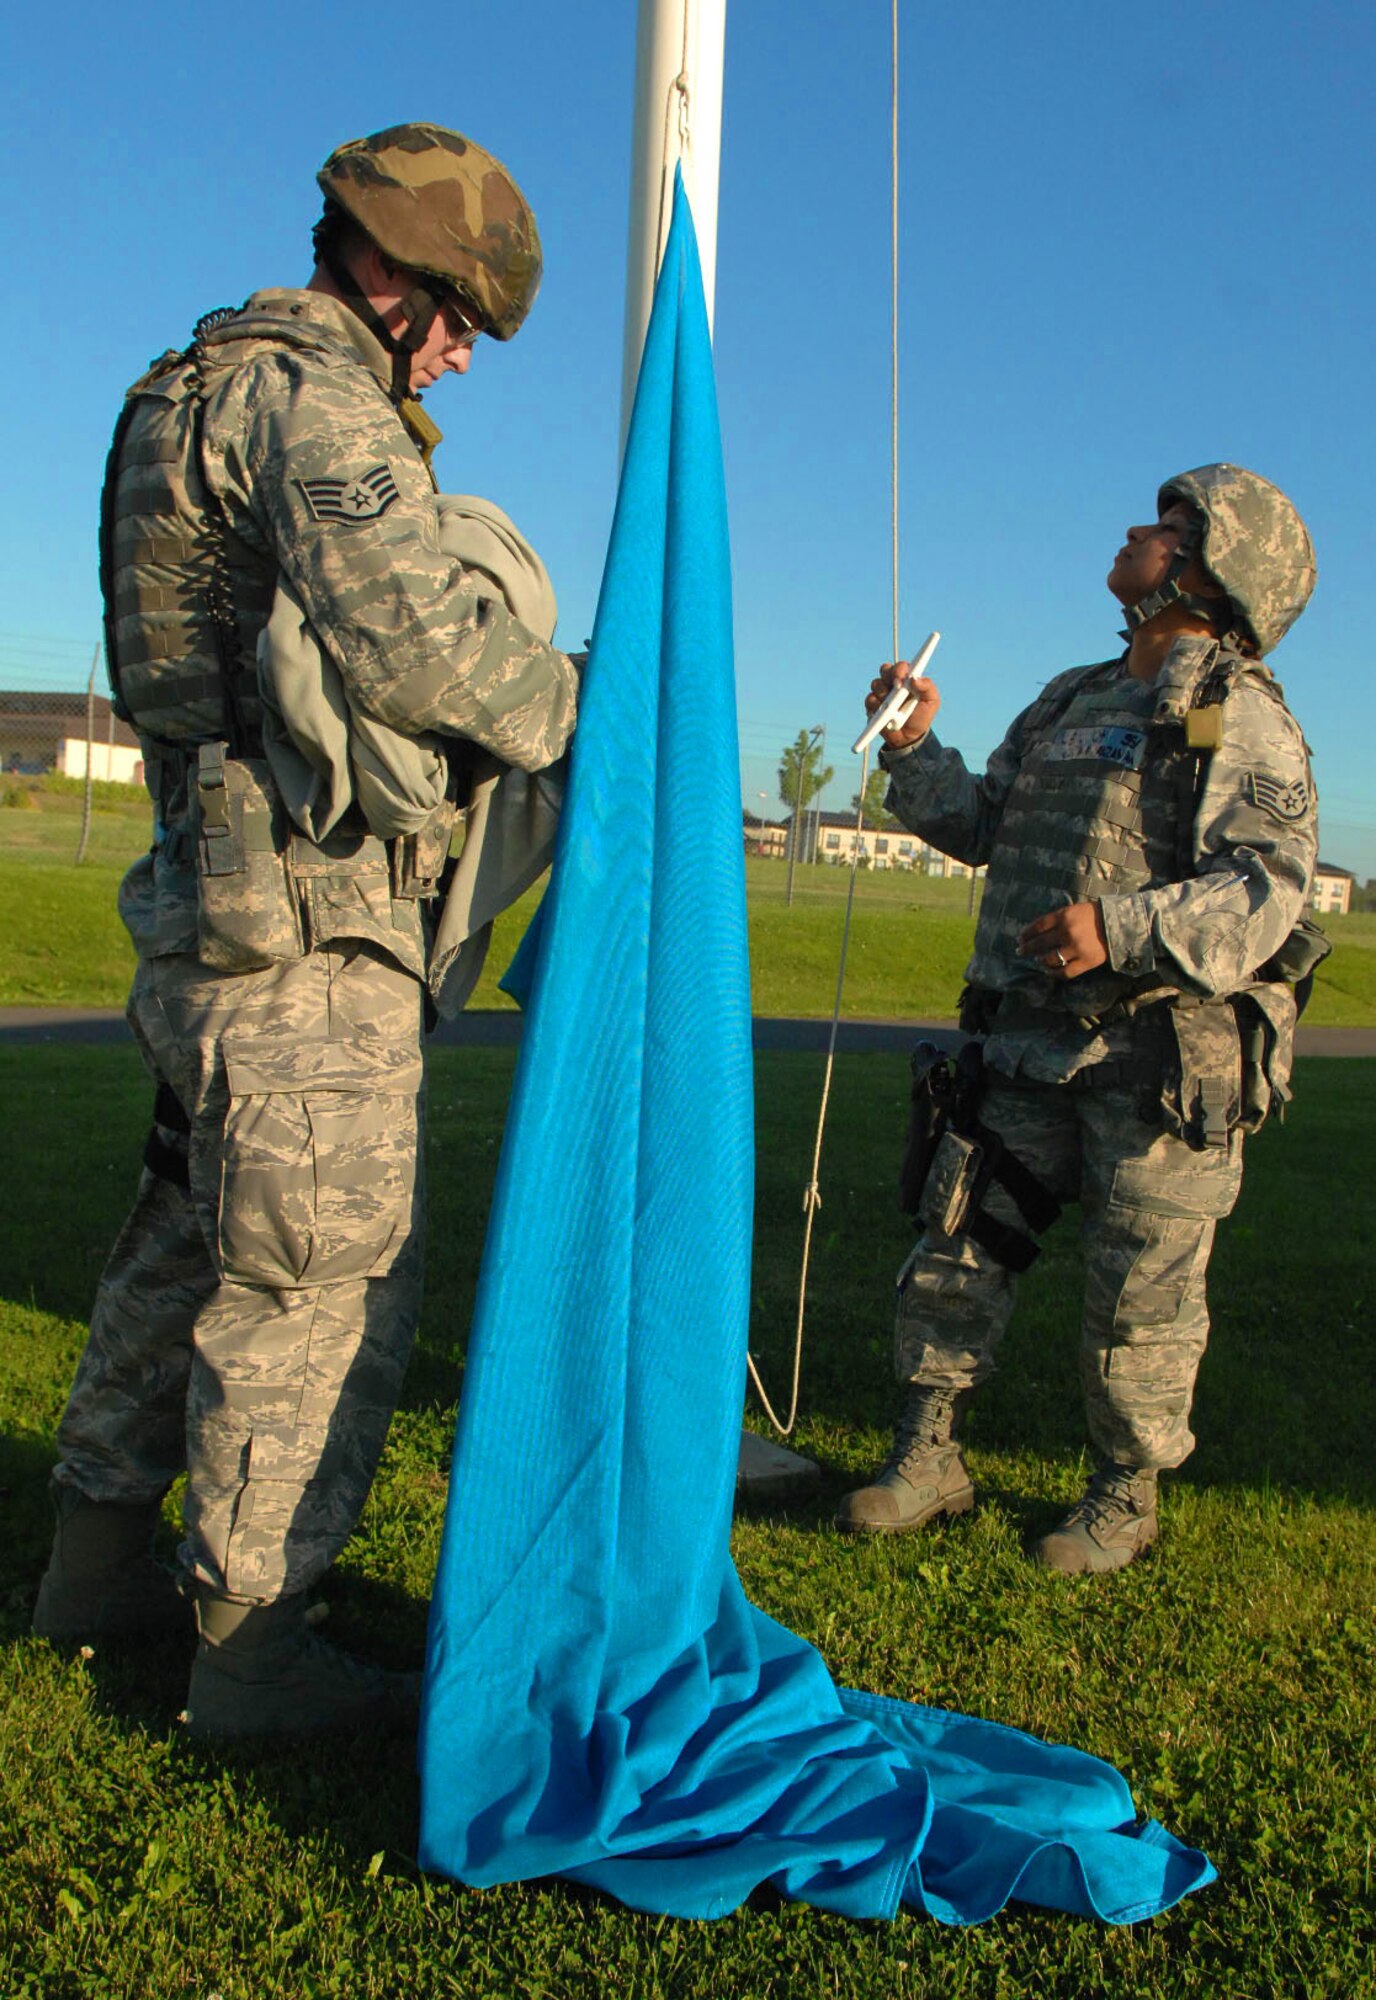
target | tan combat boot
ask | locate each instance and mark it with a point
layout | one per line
(1109, 1527)
(260, 1671)
(102, 1581)
(923, 1476)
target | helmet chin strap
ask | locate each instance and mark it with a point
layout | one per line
(419, 309)
(1169, 592)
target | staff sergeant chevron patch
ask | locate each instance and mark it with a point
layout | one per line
(361, 499)
(1289, 801)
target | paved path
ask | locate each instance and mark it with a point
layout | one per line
(484, 1029)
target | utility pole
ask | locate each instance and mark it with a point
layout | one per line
(816, 733)
(817, 809)
(90, 756)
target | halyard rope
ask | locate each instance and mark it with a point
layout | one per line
(812, 1194)
(678, 98)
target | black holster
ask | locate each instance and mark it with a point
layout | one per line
(951, 1159)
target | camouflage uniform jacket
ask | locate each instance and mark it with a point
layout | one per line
(316, 480)
(1136, 811)
(318, 475)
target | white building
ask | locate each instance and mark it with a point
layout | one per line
(118, 763)
(831, 837)
(767, 838)
(1332, 893)
(42, 730)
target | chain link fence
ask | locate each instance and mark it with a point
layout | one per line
(59, 731)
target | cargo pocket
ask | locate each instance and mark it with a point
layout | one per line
(318, 1167)
(1194, 1188)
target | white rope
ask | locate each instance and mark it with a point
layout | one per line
(678, 98)
(812, 1194)
(893, 320)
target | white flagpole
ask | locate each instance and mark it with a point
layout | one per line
(680, 52)
(679, 56)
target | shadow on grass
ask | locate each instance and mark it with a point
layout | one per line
(26, 1459)
(359, 1790)
(1285, 1395)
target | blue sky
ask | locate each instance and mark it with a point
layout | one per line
(1134, 239)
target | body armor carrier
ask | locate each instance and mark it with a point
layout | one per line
(185, 597)
(185, 600)
(1104, 804)
(1076, 825)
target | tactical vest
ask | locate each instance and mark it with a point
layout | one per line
(185, 597)
(185, 600)
(1103, 805)
(1077, 824)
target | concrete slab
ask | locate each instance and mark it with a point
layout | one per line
(768, 1471)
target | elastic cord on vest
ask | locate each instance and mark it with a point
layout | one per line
(224, 622)
(107, 562)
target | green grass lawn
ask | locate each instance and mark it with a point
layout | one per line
(910, 935)
(1231, 1675)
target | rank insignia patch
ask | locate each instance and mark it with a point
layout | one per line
(1282, 801)
(361, 499)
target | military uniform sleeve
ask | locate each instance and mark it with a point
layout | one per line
(311, 460)
(1256, 842)
(935, 794)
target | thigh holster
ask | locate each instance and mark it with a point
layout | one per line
(165, 1150)
(952, 1159)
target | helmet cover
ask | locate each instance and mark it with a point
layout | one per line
(1254, 545)
(436, 202)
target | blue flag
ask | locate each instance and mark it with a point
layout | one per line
(602, 1702)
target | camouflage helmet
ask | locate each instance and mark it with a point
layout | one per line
(432, 200)
(1253, 543)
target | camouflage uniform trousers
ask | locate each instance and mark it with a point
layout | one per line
(1148, 1204)
(253, 1328)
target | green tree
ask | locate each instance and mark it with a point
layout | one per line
(801, 777)
(876, 785)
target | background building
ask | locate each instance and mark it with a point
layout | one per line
(831, 836)
(42, 730)
(766, 837)
(1332, 894)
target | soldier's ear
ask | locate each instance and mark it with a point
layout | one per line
(374, 271)
(1197, 582)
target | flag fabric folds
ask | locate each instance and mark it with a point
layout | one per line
(602, 1702)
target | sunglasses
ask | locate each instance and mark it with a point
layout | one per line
(462, 323)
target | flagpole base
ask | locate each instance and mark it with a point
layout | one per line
(768, 1471)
